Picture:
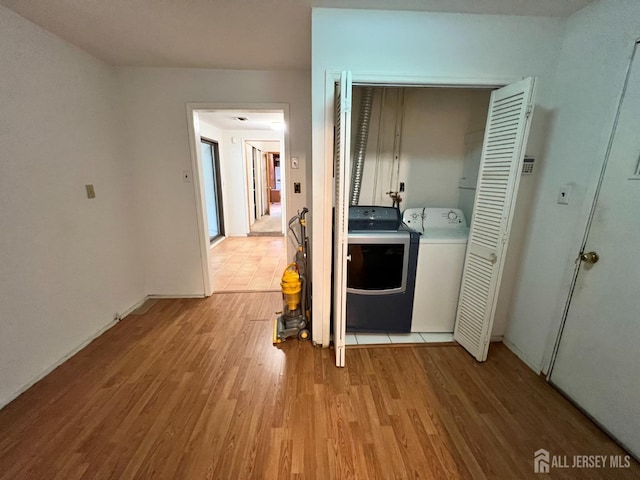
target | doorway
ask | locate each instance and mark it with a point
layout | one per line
(501, 161)
(264, 184)
(596, 355)
(230, 126)
(212, 188)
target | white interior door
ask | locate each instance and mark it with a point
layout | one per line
(505, 139)
(597, 358)
(341, 181)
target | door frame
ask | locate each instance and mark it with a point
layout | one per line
(271, 165)
(260, 182)
(193, 129)
(322, 174)
(251, 182)
(555, 335)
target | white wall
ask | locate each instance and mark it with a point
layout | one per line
(414, 47)
(432, 150)
(266, 146)
(155, 108)
(68, 264)
(591, 72)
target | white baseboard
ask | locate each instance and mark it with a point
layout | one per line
(496, 338)
(133, 307)
(216, 242)
(160, 296)
(12, 396)
(532, 365)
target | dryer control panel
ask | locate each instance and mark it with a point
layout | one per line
(374, 218)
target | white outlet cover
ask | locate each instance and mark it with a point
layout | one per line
(564, 194)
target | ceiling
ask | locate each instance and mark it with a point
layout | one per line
(233, 34)
(256, 119)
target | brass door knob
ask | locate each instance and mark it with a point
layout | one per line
(589, 257)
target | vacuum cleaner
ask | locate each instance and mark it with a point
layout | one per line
(295, 317)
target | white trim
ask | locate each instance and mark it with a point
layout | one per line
(161, 296)
(133, 307)
(217, 241)
(323, 185)
(321, 266)
(381, 79)
(198, 182)
(193, 128)
(530, 363)
(125, 313)
(35, 379)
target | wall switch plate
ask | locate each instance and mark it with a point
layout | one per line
(295, 162)
(91, 192)
(186, 176)
(296, 187)
(564, 194)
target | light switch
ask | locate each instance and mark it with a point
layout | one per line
(91, 192)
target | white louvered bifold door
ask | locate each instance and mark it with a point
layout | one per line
(505, 139)
(341, 182)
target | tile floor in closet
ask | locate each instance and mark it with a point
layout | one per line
(396, 338)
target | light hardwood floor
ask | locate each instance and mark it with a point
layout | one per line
(194, 389)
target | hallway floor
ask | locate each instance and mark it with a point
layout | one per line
(241, 264)
(269, 224)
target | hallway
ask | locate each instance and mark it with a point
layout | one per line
(241, 264)
(269, 225)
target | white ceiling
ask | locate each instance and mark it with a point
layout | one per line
(256, 120)
(234, 34)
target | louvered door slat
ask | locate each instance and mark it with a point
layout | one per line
(502, 154)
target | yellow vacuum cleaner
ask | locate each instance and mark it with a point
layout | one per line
(295, 317)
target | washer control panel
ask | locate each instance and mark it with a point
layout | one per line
(426, 217)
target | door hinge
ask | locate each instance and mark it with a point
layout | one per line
(529, 110)
(345, 105)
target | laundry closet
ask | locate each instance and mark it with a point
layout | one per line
(446, 163)
(428, 139)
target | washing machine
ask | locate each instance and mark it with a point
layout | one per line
(443, 243)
